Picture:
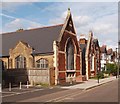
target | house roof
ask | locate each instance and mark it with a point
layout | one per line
(109, 51)
(40, 39)
(95, 41)
(103, 49)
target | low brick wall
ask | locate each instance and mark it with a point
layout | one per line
(39, 76)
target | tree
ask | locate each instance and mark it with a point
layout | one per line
(111, 68)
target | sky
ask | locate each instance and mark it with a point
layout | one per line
(100, 17)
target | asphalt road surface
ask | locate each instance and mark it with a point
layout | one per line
(105, 93)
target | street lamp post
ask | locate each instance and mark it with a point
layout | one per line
(118, 67)
(118, 57)
(116, 62)
(98, 76)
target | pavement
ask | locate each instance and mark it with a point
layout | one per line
(91, 83)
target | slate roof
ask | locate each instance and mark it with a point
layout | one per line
(83, 47)
(40, 39)
(95, 41)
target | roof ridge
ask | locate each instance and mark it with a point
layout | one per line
(33, 29)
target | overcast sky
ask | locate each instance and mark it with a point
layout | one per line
(101, 18)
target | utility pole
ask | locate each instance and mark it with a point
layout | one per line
(116, 63)
(117, 57)
(118, 66)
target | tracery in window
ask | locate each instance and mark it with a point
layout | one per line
(20, 62)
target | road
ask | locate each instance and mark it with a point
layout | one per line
(105, 93)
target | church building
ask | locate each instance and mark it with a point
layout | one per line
(48, 54)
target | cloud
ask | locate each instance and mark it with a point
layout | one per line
(18, 23)
(102, 28)
(11, 6)
(7, 16)
(34, 25)
(14, 5)
(101, 18)
(105, 25)
(81, 20)
(15, 24)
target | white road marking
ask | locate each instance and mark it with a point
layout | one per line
(63, 97)
(59, 99)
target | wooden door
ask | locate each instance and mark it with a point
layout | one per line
(52, 76)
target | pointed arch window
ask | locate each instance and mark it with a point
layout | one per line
(20, 62)
(42, 64)
(70, 55)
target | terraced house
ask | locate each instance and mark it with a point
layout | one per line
(48, 54)
(103, 51)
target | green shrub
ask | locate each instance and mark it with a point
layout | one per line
(111, 69)
(100, 75)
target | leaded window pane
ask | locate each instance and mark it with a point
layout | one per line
(20, 62)
(70, 55)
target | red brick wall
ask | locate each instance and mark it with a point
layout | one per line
(77, 74)
(83, 41)
(61, 67)
(64, 39)
(61, 62)
(89, 69)
(61, 56)
(77, 65)
(62, 77)
(77, 62)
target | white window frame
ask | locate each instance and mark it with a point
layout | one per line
(42, 63)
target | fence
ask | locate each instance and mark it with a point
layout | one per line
(16, 76)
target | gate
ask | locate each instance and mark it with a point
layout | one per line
(52, 76)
